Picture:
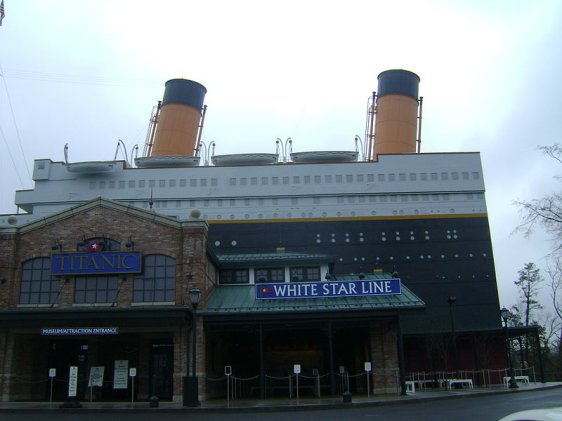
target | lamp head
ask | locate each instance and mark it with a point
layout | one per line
(194, 296)
(505, 313)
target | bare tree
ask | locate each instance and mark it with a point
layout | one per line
(554, 271)
(547, 210)
(528, 286)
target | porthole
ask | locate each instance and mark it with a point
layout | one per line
(217, 243)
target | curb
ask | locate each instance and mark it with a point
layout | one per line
(265, 408)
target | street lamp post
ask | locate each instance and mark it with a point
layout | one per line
(512, 382)
(452, 300)
(190, 383)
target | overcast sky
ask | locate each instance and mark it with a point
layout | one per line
(89, 72)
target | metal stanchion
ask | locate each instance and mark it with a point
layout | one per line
(52, 374)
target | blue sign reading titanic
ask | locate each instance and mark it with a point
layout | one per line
(329, 289)
(95, 263)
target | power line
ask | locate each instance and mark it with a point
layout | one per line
(17, 131)
(11, 157)
(75, 78)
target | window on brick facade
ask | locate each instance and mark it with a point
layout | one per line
(157, 283)
(270, 275)
(234, 276)
(305, 274)
(37, 284)
(95, 289)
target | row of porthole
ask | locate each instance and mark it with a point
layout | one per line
(356, 259)
(361, 239)
(325, 214)
(422, 257)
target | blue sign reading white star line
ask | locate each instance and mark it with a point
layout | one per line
(328, 289)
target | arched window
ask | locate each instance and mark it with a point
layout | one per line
(38, 286)
(157, 283)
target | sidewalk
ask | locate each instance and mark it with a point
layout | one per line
(248, 405)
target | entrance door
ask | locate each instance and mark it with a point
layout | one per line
(63, 354)
(161, 370)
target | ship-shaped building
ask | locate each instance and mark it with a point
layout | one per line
(370, 264)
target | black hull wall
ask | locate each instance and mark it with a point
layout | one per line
(435, 257)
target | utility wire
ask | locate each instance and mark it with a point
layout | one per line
(75, 78)
(17, 131)
(11, 157)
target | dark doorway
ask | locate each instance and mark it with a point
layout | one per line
(161, 369)
(63, 354)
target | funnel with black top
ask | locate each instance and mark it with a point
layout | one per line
(179, 119)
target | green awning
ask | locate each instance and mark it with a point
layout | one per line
(241, 299)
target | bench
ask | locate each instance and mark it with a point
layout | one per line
(521, 379)
(410, 386)
(451, 382)
(423, 383)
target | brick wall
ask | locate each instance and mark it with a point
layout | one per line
(384, 357)
(152, 234)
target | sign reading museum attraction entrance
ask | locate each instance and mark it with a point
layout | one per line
(329, 289)
(93, 263)
(66, 331)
